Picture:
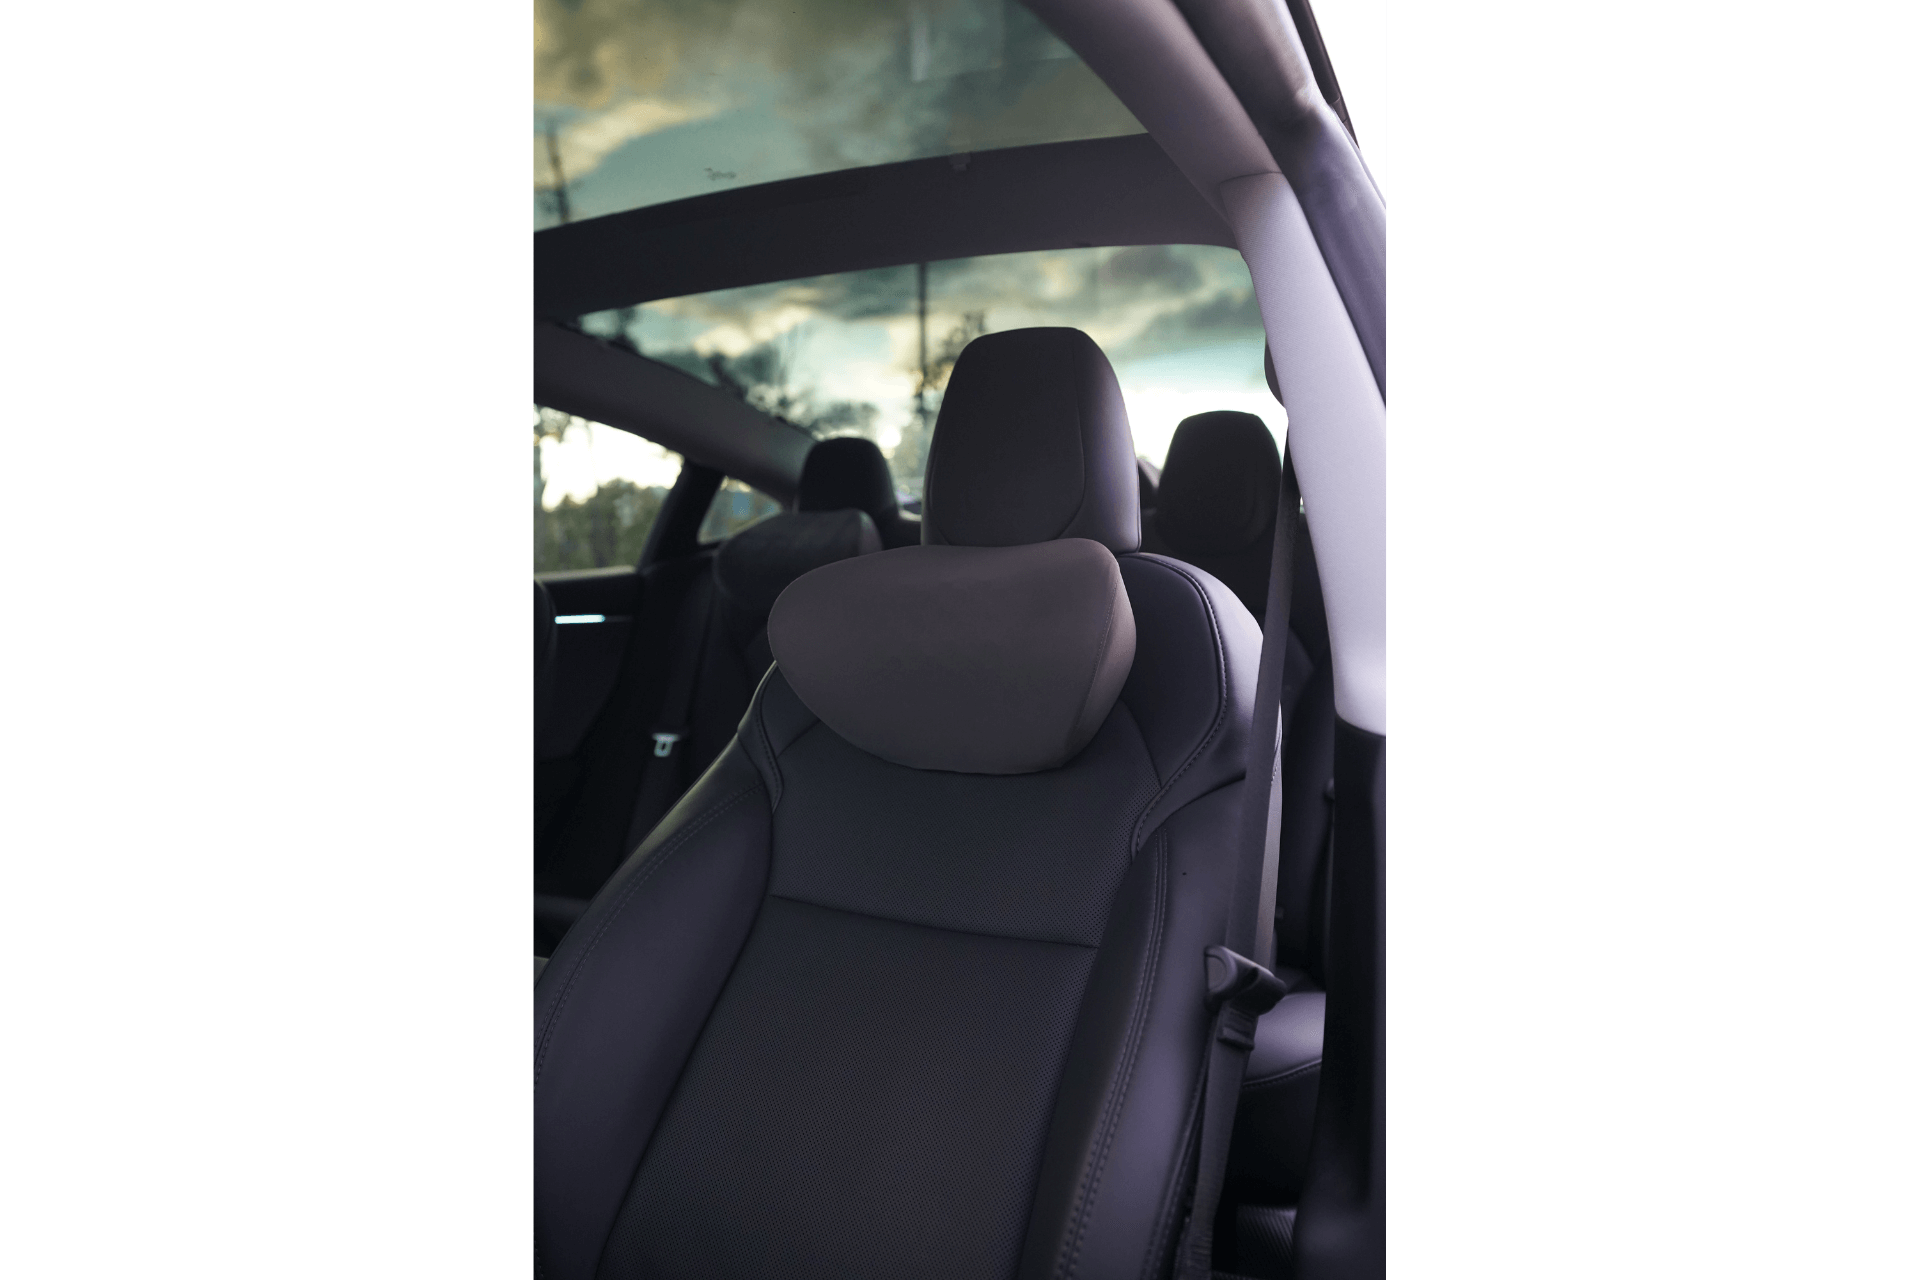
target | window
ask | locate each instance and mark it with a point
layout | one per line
(734, 507)
(869, 352)
(638, 102)
(596, 492)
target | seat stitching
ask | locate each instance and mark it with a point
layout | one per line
(778, 786)
(1175, 1199)
(1220, 714)
(1080, 439)
(923, 924)
(1116, 1097)
(658, 859)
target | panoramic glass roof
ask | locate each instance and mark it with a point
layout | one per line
(637, 102)
(868, 352)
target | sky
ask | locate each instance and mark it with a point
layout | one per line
(593, 453)
(653, 100)
(656, 100)
(1178, 322)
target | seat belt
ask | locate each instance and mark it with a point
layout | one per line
(1240, 989)
(664, 777)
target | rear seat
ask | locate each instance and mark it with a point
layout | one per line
(1215, 503)
(750, 571)
(718, 652)
(849, 471)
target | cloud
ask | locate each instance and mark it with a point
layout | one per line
(801, 87)
(1138, 302)
(1151, 268)
(588, 139)
(1227, 316)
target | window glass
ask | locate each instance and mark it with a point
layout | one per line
(642, 101)
(734, 507)
(869, 352)
(596, 492)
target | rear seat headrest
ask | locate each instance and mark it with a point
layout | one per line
(1220, 486)
(1032, 444)
(755, 565)
(847, 471)
(992, 660)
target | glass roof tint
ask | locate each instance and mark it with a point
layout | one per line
(642, 101)
(851, 354)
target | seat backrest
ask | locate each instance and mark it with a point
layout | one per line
(1216, 501)
(728, 624)
(912, 981)
(850, 471)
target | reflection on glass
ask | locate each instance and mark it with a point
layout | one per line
(642, 101)
(869, 352)
(596, 492)
(734, 507)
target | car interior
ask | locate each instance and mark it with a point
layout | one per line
(959, 835)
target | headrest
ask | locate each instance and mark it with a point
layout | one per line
(966, 659)
(755, 565)
(1032, 444)
(847, 471)
(1221, 484)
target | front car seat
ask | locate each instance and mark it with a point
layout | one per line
(911, 983)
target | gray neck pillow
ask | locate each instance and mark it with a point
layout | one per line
(990, 660)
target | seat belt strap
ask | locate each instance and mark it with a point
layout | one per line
(1238, 992)
(1239, 988)
(1250, 914)
(664, 776)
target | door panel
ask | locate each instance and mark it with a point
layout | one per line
(589, 654)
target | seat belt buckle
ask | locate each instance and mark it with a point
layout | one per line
(1239, 991)
(663, 744)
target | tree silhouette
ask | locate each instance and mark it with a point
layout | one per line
(909, 460)
(609, 526)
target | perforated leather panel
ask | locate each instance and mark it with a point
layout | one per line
(872, 1091)
(869, 1099)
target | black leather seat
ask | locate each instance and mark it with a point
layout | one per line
(1216, 501)
(849, 471)
(1277, 1098)
(694, 693)
(911, 983)
(750, 570)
